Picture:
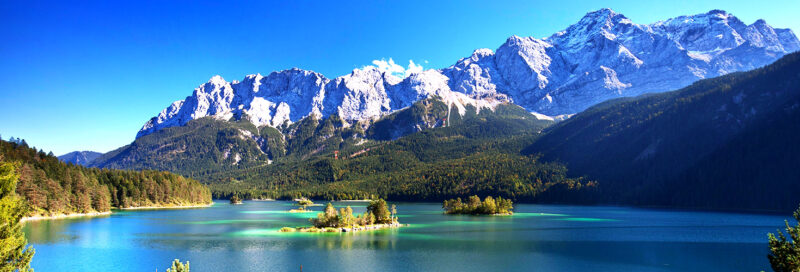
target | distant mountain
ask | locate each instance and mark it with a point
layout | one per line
(728, 142)
(460, 130)
(80, 157)
(417, 153)
(208, 145)
(604, 55)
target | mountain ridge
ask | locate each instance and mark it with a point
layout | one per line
(726, 142)
(83, 158)
(605, 55)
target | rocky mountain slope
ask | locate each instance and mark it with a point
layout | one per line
(605, 55)
(208, 145)
(728, 142)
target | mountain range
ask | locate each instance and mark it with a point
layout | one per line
(587, 115)
(604, 55)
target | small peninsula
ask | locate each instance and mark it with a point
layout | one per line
(474, 206)
(378, 216)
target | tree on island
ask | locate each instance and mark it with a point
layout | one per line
(785, 251)
(15, 255)
(177, 266)
(381, 211)
(475, 206)
(303, 203)
(377, 213)
(235, 199)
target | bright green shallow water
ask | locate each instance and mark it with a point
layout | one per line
(537, 238)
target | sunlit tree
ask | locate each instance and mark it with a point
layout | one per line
(177, 266)
(15, 255)
(784, 253)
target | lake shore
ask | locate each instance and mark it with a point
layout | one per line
(167, 207)
(64, 216)
(349, 229)
(96, 214)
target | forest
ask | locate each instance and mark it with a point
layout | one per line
(477, 154)
(51, 187)
(476, 206)
(723, 143)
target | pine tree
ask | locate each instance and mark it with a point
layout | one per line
(14, 255)
(381, 211)
(784, 253)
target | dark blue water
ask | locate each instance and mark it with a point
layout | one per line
(537, 238)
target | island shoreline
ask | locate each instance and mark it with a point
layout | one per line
(342, 229)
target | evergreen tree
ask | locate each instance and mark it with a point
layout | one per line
(380, 210)
(327, 219)
(177, 266)
(784, 253)
(14, 255)
(489, 205)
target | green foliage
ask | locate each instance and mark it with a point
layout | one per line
(15, 255)
(53, 187)
(474, 154)
(377, 213)
(200, 146)
(380, 210)
(327, 219)
(236, 200)
(177, 266)
(475, 206)
(727, 142)
(784, 253)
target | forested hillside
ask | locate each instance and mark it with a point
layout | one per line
(51, 187)
(476, 154)
(728, 142)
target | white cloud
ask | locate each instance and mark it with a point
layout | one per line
(396, 69)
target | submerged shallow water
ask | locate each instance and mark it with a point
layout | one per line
(536, 238)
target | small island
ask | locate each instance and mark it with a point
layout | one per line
(377, 216)
(235, 200)
(474, 206)
(303, 203)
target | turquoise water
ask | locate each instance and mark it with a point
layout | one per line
(537, 238)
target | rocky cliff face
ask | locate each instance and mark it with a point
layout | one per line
(605, 55)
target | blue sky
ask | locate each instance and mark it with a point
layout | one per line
(87, 75)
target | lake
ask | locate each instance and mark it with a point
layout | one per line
(536, 238)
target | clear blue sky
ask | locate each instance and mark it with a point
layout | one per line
(87, 75)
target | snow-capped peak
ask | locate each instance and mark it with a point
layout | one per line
(602, 56)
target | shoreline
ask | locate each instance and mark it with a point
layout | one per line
(64, 216)
(166, 207)
(342, 229)
(107, 213)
